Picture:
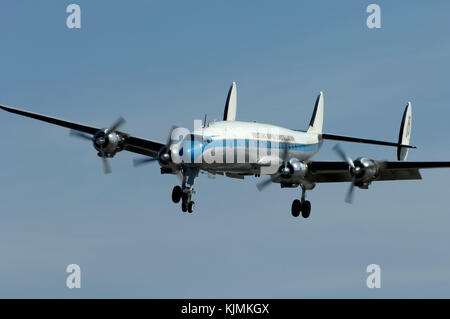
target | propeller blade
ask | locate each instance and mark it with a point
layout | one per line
(120, 121)
(106, 166)
(349, 196)
(263, 184)
(141, 161)
(337, 148)
(80, 135)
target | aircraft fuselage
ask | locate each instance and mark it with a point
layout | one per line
(244, 147)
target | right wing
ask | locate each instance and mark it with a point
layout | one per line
(131, 143)
(333, 171)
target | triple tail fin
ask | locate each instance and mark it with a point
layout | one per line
(230, 105)
(316, 123)
(405, 133)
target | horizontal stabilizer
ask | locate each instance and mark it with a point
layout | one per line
(362, 140)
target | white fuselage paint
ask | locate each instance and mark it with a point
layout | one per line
(261, 144)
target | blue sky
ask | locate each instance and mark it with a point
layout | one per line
(160, 63)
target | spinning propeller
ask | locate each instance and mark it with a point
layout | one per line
(163, 154)
(355, 171)
(285, 171)
(105, 141)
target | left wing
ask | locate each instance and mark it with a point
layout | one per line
(332, 171)
(131, 143)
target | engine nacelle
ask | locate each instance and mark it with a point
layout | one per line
(365, 171)
(164, 157)
(108, 143)
(299, 169)
(293, 169)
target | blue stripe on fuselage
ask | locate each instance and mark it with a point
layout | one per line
(196, 148)
(259, 144)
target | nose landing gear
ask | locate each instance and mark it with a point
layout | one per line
(303, 206)
(184, 193)
(187, 205)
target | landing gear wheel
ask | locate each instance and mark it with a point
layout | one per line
(184, 207)
(191, 206)
(306, 209)
(176, 194)
(296, 208)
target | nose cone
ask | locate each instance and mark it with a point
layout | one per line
(176, 152)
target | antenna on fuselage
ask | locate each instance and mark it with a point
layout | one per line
(204, 120)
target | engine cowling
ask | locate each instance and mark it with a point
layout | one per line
(107, 142)
(365, 171)
(293, 168)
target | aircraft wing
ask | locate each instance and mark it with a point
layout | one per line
(131, 143)
(331, 171)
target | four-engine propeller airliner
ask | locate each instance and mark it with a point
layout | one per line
(238, 149)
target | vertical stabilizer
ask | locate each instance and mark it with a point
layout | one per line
(230, 106)
(405, 133)
(316, 123)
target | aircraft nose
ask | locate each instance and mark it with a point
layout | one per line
(191, 151)
(176, 154)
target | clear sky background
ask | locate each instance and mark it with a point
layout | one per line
(160, 63)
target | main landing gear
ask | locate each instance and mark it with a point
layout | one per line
(303, 206)
(184, 193)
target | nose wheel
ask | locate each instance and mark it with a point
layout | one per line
(303, 206)
(187, 205)
(184, 193)
(177, 192)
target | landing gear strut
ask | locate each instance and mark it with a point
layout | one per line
(303, 206)
(184, 193)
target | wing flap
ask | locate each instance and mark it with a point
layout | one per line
(398, 174)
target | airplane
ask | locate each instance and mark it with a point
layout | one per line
(237, 149)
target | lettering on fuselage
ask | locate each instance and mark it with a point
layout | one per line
(273, 137)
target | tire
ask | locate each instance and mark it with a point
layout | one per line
(296, 208)
(184, 207)
(191, 206)
(176, 194)
(306, 209)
